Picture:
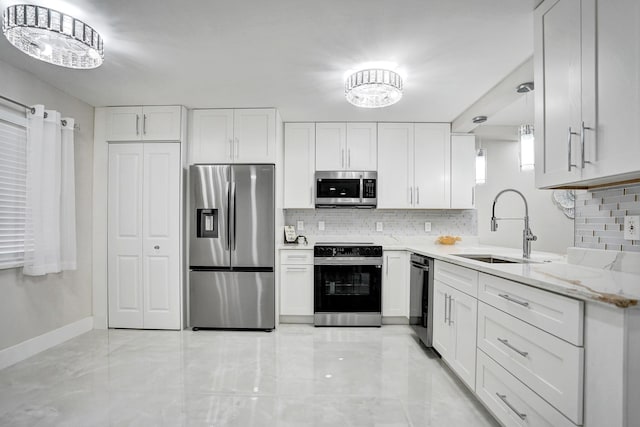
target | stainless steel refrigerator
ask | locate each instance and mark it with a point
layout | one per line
(232, 247)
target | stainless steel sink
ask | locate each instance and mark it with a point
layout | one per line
(492, 259)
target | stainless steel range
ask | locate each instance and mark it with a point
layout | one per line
(347, 284)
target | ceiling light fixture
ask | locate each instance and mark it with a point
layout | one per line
(527, 152)
(479, 119)
(373, 88)
(52, 36)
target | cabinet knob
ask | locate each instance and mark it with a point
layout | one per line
(156, 247)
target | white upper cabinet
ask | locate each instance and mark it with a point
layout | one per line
(233, 136)
(463, 171)
(331, 146)
(299, 165)
(362, 143)
(152, 123)
(346, 146)
(587, 71)
(211, 136)
(254, 135)
(414, 165)
(432, 165)
(395, 168)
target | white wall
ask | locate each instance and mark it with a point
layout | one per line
(553, 228)
(33, 306)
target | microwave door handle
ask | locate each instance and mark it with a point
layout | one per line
(361, 190)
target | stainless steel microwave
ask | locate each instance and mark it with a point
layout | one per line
(346, 189)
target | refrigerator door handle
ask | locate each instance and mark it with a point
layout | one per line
(233, 189)
(228, 213)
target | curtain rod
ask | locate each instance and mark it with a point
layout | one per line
(33, 111)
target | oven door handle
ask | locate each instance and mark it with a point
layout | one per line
(347, 261)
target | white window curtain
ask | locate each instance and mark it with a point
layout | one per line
(50, 220)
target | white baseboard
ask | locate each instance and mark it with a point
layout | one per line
(33, 346)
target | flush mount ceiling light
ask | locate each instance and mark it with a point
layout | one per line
(373, 88)
(52, 36)
(479, 119)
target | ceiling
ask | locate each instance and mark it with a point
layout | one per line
(292, 54)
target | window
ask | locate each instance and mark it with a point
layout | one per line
(13, 174)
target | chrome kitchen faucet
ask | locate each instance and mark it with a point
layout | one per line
(527, 235)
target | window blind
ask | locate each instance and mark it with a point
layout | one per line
(13, 174)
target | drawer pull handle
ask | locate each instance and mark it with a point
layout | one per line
(503, 397)
(509, 298)
(520, 352)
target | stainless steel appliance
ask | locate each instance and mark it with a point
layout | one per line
(421, 298)
(347, 284)
(232, 247)
(346, 189)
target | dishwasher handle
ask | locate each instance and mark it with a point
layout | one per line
(422, 267)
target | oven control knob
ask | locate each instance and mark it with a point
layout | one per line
(366, 251)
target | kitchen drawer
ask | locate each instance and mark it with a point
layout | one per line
(512, 402)
(461, 278)
(551, 367)
(556, 314)
(296, 256)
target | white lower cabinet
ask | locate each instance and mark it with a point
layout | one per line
(395, 284)
(512, 402)
(551, 367)
(296, 282)
(454, 330)
(143, 257)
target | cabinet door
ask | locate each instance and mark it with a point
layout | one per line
(161, 239)
(331, 145)
(558, 103)
(464, 319)
(463, 171)
(395, 165)
(299, 165)
(124, 236)
(432, 166)
(442, 340)
(395, 285)
(161, 123)
(296, 290)
(611, 146)
(255, 135)
(124, 123)
(362, 146)
(211, 136)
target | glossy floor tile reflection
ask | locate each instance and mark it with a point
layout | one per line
(297, 375)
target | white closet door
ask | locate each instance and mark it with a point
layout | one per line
(125, 236)
(160, 241)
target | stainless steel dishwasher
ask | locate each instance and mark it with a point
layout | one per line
(421, 298)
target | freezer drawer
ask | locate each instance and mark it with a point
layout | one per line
(234, 300)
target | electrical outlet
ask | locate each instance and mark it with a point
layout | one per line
(379, 226)
(320, 225)
(300, 226)
(427, 227)
(632, 227)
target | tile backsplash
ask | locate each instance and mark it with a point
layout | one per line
(395, 222)
(599, 222)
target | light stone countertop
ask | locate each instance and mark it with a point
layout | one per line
(597, 281)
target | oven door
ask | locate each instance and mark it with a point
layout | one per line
(348, 288)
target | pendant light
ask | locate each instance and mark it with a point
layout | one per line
(481, 166)
(527, 152)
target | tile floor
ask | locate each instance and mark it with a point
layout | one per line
(297, 375)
